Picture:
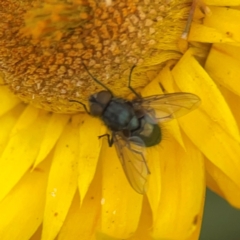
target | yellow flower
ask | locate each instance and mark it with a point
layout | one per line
(57, 179)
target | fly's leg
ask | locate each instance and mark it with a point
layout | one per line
(110, 139)
(96, 80)
(129, 83)
(84, 106)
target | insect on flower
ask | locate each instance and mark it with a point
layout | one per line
(134, 125)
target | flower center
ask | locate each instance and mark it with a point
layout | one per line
(43, 48)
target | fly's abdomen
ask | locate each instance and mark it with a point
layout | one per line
(148, 131)
(151, 137)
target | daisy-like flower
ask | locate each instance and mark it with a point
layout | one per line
(57, 179)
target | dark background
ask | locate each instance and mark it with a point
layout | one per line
(220, 220)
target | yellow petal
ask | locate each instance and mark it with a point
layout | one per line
(197, 223)
(154, 181)
(121, 205)
(15, 160)
(226, 72)
(222, 25)
(7, 122)
(22, 209)
(172, 128)
(205, 34)
(222, 2)
(37, 235)
(217, 135)
(183, 188)
(217, 145)
(191, 77)
(27, 118)
(53, 131)
(225, 20)
(62, 182)
(7, 100)
(231, 99)
(212, 184)
(145, 223)
(152, 88)
(81, 222)
(89, 149)
(226, 184)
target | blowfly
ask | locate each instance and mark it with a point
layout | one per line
(134, 125)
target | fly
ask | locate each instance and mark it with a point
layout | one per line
(134, 124)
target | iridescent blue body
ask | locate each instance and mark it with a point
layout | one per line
(118, 114)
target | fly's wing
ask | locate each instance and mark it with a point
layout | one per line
(165, 107)
(131, 152)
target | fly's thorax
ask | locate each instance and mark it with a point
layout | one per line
(149, 131)
(98, 102)
(120, 115)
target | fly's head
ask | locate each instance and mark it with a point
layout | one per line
(98, 102)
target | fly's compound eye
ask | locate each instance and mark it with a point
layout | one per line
(96, 109)
(104, 97)
(98, 102)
